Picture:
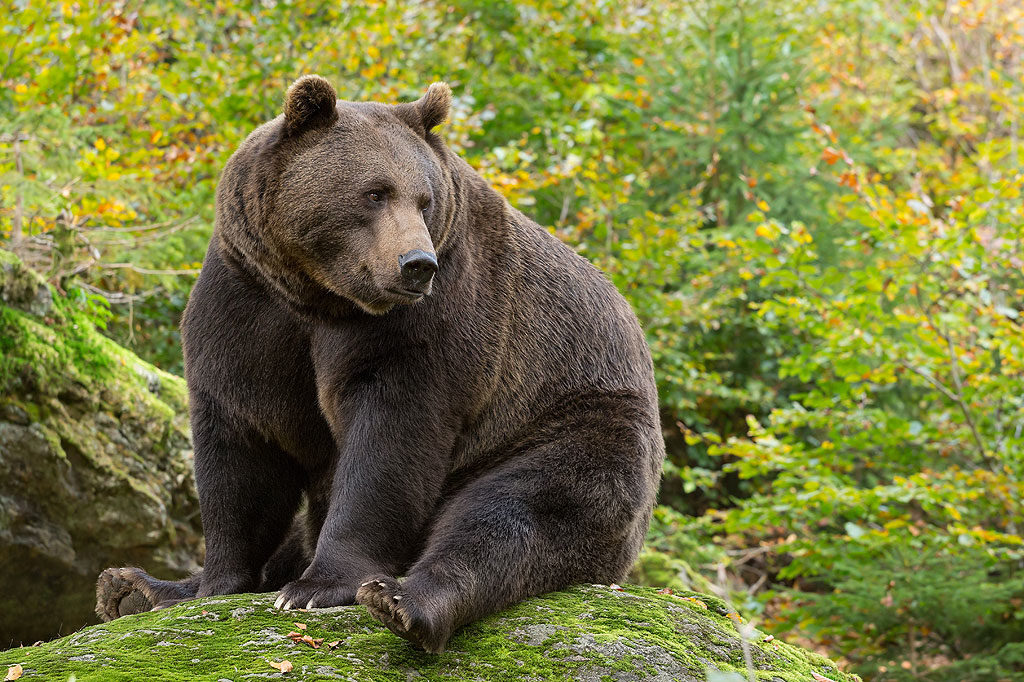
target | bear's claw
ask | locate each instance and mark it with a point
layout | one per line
(314, 593)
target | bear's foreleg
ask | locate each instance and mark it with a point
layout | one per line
(249, 491)
(387, 480)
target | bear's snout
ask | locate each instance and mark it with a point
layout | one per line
(418, 268)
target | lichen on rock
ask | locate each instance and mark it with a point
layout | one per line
(95, 460)
(587, 633)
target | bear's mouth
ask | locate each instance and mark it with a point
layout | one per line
(408, 295)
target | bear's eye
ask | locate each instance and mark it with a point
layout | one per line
(377, 196)
(424, 205)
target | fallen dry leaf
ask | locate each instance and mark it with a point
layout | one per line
(820, 678)
(14, 672)
(301, 626)
(666, 590)
(769, 638)
(616, 587)
(302, 637)
(284, 666)
(333, 644)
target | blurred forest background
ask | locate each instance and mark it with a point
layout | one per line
(814, 208)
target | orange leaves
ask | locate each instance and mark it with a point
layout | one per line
(849, 179)
(284, 666)
(831, 156)
(301, 637)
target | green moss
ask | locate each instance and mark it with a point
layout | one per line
(587, 632)
(48, 348)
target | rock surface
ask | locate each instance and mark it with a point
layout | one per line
(95, 463)
(590, 633)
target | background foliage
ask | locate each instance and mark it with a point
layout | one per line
(814, 208)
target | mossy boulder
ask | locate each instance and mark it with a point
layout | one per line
(95, 463)
(591, 633)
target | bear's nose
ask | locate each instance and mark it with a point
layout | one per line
(418, 268)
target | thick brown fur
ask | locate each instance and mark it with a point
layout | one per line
(456, 452)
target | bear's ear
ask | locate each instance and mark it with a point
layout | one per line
(310, 103)
(434, 105)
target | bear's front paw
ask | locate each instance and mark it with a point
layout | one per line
(315, 593)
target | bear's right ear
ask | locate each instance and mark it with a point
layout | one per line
(310, 103)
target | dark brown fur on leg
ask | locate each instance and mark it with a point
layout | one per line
(529, 526)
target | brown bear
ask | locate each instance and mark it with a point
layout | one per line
(404, 392)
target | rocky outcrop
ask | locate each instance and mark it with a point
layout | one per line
(589, 633)
(95, 463)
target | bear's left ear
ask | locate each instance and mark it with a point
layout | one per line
(433, 106)
(310, 103)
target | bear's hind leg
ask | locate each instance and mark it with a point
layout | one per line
(570, 506)
(126, 591)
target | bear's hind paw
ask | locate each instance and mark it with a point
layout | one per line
(384, 598)
(121, 592)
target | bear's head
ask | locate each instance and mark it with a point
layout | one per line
(339, 204)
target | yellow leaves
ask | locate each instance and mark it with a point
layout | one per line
(100, 144)
(763, 205)
(800, 235)
(767, 231)
(21, 88)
